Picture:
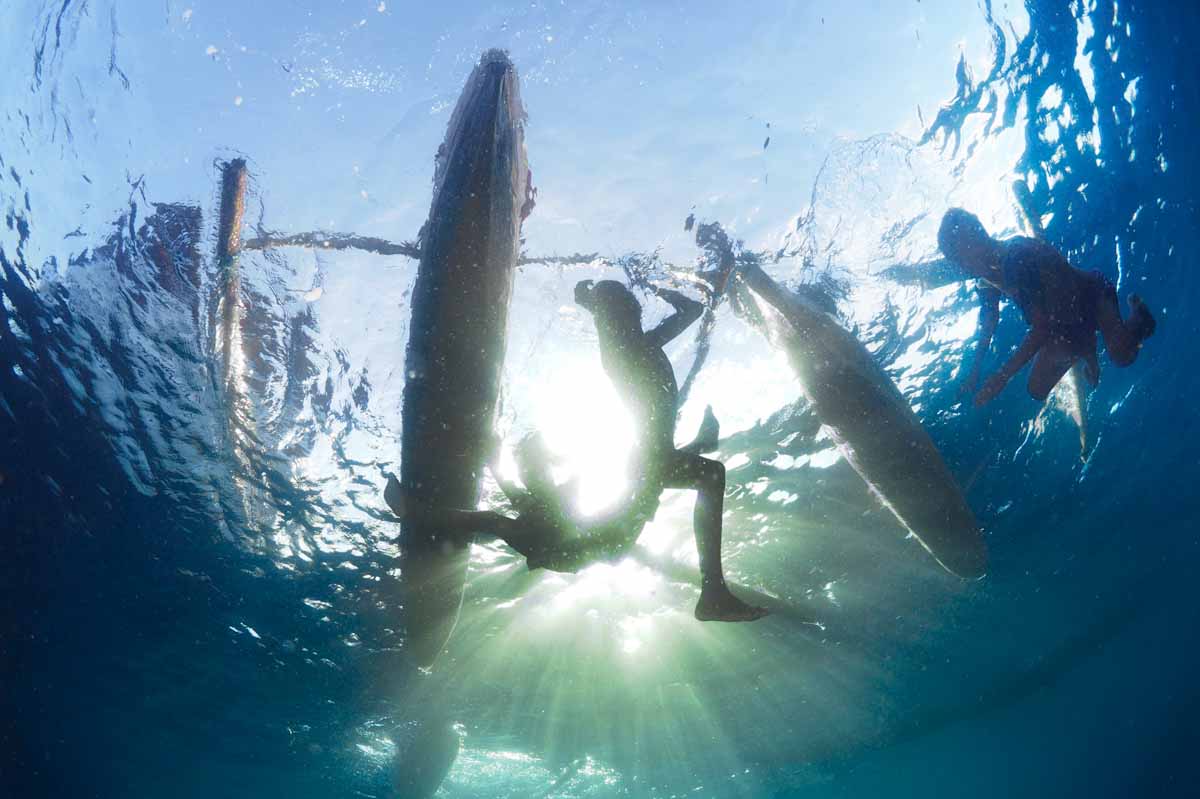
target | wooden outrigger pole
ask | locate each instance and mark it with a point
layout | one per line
(234, 178)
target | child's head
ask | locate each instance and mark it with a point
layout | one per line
(609, 301)
(963, 239)
(534, 462)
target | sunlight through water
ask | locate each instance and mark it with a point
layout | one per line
(194, 440)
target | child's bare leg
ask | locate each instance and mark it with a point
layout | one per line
(707, 478)
(1122, 338)
(1052, 362)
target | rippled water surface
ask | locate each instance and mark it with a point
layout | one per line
(202, 578)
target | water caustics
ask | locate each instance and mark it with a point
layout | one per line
(224, 285)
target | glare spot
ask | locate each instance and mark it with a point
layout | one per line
(825, 458)
(513, 757)
(379, 754)
(634, 631)
(782, 497)
(1131, 91)
(604, 582)
(783, 461)
(585, 425)
(736, 462)
(1052, 97)
(828, 591)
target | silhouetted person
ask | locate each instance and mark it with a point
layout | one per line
(1063, 306)
(642, 374)
(543, 523)
(545, 531)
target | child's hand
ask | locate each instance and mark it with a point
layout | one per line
(991, 388)
(673, 297)
(583, 292)
(393, 495)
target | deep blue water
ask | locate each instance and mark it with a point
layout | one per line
(190, 612)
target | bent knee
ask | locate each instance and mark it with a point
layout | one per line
(713, 473)
(1040, 393)
(1122, 356)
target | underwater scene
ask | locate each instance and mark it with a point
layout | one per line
(599, 399)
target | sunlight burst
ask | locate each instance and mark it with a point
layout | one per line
(586, 426)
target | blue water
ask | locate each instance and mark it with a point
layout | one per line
(201, 587)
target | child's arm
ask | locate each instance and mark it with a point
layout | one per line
(687, 311)
(989, 316)
(1034, 340)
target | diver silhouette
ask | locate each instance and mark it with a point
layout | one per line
(545, 531)
(1063, 306)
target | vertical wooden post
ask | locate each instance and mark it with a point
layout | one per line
(229, 243)
(233, 205)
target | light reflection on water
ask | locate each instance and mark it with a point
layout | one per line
(605, 671)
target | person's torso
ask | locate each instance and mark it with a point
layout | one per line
(643, 376)
(1048, 290)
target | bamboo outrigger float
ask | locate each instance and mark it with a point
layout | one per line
(453, 361)
(457, 336)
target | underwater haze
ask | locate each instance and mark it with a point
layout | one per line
(202, 583)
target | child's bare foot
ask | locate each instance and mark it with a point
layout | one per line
(719, 604)
(393, 495)
(405, 508)
(993, 386)
(1141, 317)
(708, 437)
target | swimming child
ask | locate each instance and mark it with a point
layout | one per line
(642, 373)
(1064, 307)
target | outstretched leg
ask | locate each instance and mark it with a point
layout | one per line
(537, 533)
(707, 478)
(1122, 338)
(462, 524)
